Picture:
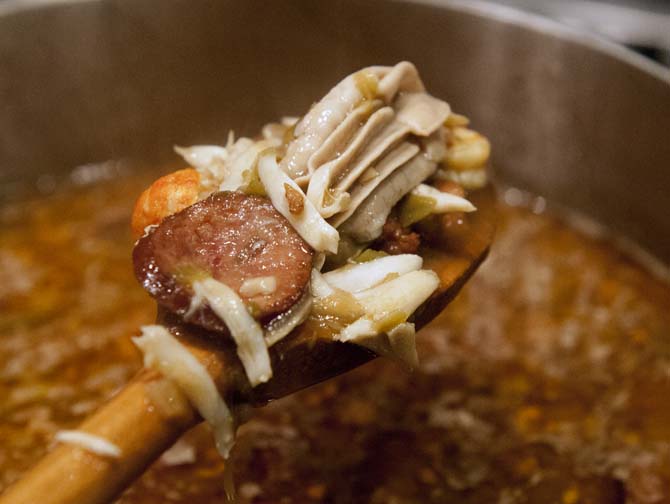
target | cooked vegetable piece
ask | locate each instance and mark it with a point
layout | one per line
(166, 196)
(368, 255)
(425, 200)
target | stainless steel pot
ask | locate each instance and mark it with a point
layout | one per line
(573, 118)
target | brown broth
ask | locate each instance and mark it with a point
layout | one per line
(546, 380)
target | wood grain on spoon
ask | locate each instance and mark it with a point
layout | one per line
(150, 413)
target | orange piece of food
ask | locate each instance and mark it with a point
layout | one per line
(166, 196)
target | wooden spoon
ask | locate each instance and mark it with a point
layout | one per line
(148, 415)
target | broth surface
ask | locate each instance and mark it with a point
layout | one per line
(546, 380)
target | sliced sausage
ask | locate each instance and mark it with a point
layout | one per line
(449, 187)
(396, 239)
(231, 237)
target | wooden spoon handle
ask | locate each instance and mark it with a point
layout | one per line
(143, 419)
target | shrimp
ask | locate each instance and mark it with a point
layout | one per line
(166, 196)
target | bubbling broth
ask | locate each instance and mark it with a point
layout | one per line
(544, 381)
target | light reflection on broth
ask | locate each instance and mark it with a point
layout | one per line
(545, 381)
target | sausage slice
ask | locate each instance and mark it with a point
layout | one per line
(231, 237)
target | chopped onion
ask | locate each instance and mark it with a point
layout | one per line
(318, 285)
(163, 352)
(404, 293)
(320, 235)
(361, 276)
(470, 179)
(89, 442)
(444, 202)
(398, 343)
(258, 286)
(425, 200)
(402, 339)
(319, 260)
(247, 333)
(281, 326)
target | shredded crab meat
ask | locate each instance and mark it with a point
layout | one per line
(164, 353)
(227, 168)
(309, 224)
(402, 343)
(398, 343)
(387, 290)
(208, 160)
(203, 157)
(180, 453)
(89, 442)
(359, 277)
(319, 287)
(404, 293)
(242, 163)
(245, 330)
(384, 328)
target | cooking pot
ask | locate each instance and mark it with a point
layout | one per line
(576, 119)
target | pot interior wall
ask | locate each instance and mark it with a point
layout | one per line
(91, 81)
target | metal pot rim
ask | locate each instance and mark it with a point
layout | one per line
(479, 8)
